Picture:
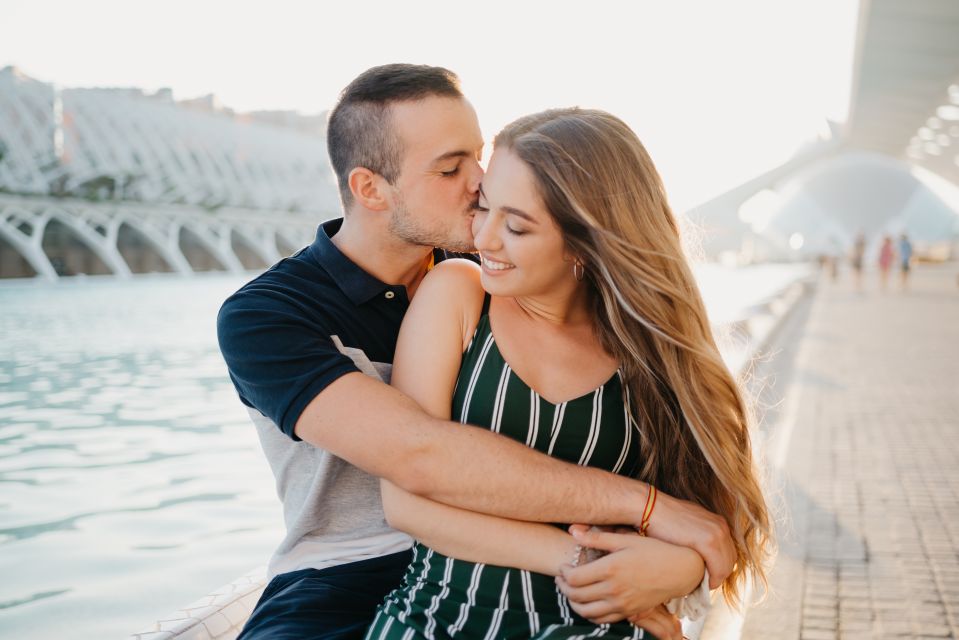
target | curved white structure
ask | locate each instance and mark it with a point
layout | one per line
(183, 239)
(93, 160)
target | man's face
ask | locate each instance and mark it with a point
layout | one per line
(435, 195)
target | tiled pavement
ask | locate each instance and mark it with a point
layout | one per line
(869, 480)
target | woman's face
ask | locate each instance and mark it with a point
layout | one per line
(522, 249)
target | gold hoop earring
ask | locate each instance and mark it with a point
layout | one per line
(579, 271)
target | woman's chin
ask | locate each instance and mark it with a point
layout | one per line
(494, 286)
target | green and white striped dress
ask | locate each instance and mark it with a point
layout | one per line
(442, 597)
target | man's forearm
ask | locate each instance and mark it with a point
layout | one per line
(476, 469)
(385, 433)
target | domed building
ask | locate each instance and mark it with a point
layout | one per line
(892, 167)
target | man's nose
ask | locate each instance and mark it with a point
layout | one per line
(476, 177)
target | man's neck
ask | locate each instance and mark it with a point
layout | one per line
(382, 255)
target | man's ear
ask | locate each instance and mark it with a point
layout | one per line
(369, 189)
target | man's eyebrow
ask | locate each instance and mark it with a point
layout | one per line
(512, 210)
(449, 155)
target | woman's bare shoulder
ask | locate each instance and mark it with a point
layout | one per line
(456, 268)
(457, 276)
(453, 288)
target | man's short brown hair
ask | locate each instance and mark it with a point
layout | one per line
(360, 131)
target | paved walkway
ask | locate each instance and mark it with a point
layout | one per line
(869, 546)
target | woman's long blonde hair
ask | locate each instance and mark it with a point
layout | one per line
(604, 192)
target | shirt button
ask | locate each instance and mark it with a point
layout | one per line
(390, 295)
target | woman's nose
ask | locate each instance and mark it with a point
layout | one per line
(485, 237)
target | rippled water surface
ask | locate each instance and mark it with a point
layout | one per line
(131, 482)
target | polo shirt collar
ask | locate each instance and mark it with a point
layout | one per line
(358, 285)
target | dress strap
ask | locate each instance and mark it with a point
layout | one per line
(485, 311)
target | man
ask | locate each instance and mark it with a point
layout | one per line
(905, 259)
(306, 341)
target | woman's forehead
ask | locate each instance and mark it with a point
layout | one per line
(510, 182)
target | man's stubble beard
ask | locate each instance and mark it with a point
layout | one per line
(405, 227)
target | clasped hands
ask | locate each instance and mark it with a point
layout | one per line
(633, 581)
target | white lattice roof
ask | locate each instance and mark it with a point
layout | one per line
(120, 144)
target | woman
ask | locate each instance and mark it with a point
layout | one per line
(886, 254)
(591, 344)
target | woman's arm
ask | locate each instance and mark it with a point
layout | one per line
(638, 574)
(436, 330)
(476, 537)
(438, 325)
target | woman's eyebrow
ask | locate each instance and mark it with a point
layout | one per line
(510, 210)
(518, 212)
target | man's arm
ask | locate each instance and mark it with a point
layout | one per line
(387, 434)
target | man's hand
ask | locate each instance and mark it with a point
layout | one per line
(659, 622)
(637, 575)
(689, 525)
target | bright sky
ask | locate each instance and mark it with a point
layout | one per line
(718, 91)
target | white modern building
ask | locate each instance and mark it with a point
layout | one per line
(96, 181)
(892, 167)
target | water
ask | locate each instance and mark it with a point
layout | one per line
(131, 481)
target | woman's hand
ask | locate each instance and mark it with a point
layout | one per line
(638, 575)
(659, 622)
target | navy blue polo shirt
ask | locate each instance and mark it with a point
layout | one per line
(276, 332)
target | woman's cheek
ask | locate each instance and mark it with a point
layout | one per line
(477, 224)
